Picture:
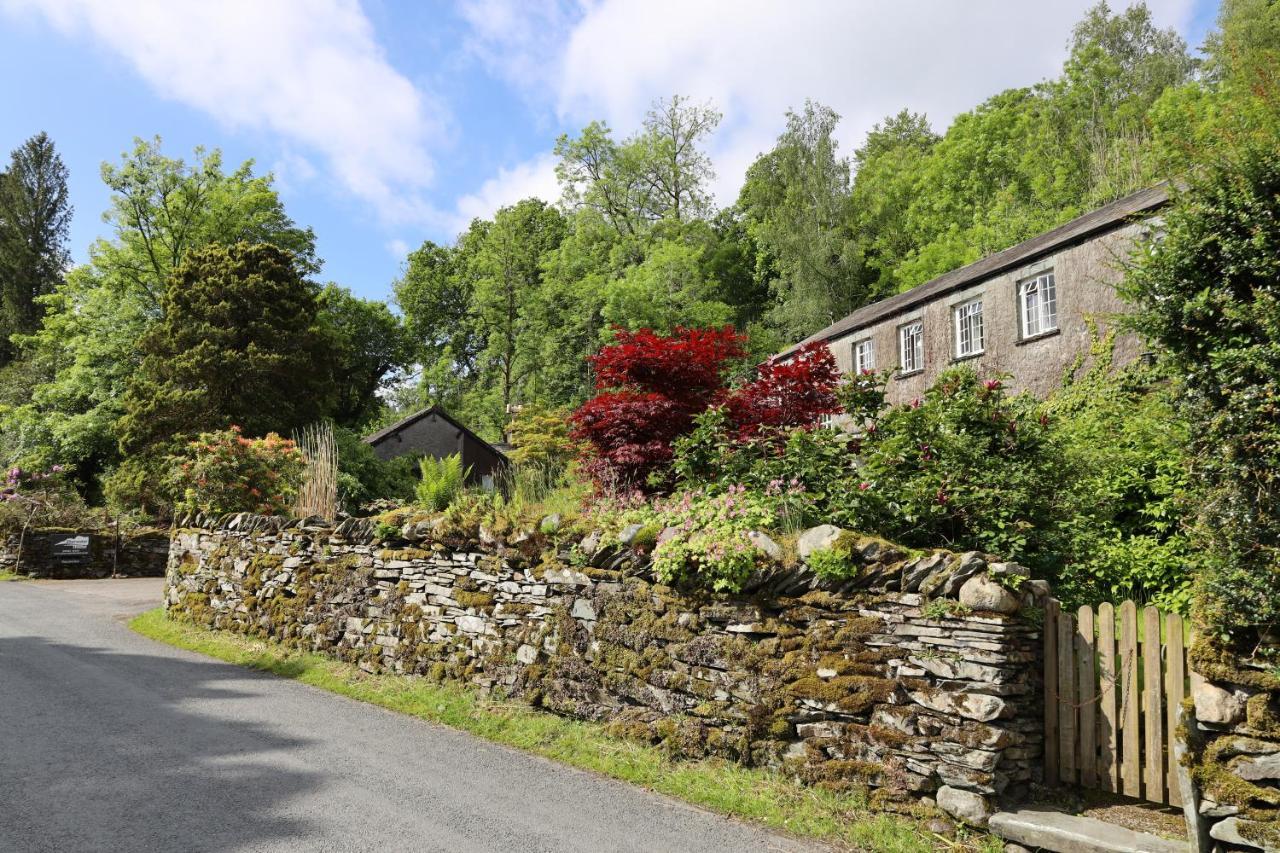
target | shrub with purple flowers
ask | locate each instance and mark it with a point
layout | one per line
(42, 498)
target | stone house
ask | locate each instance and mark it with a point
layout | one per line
(1024, 312)
(434, 432)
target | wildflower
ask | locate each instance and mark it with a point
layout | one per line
(991, 384)
(863, 486)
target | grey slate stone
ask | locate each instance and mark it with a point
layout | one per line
(1066, 833)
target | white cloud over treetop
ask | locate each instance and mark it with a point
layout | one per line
(757, 58)
(308, 70)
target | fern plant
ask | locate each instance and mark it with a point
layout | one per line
(442, 481)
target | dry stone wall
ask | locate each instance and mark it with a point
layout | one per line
(916, 680)
(1236, 744)
(68, 554)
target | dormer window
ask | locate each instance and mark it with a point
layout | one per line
(1038, 305)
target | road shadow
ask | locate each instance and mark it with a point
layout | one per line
(104, 750)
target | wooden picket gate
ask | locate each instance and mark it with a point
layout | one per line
(1111, 700)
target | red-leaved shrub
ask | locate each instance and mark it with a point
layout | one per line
(787, 394)
(649, 388)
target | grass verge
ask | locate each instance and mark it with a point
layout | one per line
(751, 794)
(6, 575)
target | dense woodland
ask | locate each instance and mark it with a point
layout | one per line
(204, 309)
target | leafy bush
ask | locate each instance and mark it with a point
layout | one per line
(835, 562)
(799, 470)
(711, 549)
(40, 499)
(1126, 488)
(363, 478)
(540, 436)
(443, 481)
(967, 467)
(1209, 291)
(222, 472)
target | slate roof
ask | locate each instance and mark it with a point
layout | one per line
(1081, 228)
(387, 432)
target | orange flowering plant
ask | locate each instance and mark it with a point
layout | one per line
(221, 472)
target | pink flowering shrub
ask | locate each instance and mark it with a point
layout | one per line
(222, 472)
(40, 498)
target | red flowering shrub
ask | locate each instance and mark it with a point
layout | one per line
(221, 472)
(649, 389)
(787, 394)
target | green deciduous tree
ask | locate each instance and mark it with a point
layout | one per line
(35, 214)
(508, 277)
(660, 173)
(85, 349)
(162, 208)
(371, 348)
(797, 205)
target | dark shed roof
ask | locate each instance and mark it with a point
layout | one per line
(399, 425)
(1081, 228)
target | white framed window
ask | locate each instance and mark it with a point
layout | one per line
(1038, 304)
(864, 356)
(911, 347)
(969, 337)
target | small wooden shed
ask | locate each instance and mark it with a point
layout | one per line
(434, 432)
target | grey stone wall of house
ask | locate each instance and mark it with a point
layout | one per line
(1085, 276)
(68, 554)
(915, 680)
(1235, 745)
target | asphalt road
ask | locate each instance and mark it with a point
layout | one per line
(109, 741)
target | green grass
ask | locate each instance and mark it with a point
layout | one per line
(6, 575)
(751, 794)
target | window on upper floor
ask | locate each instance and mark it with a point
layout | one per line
(911, 347)
(1038, 304)
(864, 356)
(969, 337)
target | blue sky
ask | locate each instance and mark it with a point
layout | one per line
(387, 122)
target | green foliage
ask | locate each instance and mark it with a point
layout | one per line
(711, 549)
(540, 436)
(370, 347)
(800, 476)
(835, 562)
(1128, 487)
(222, 472)
(364, 478)
(967, 467)
(442, 481)
(30, 499)
(240, 342)
(35, 216)
(797, 205)
(85, 352)
(1207, 292)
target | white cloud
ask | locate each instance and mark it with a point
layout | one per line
(310, 71)
(520, 41)
(532, 178)
(397, 248)
(757, 58)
